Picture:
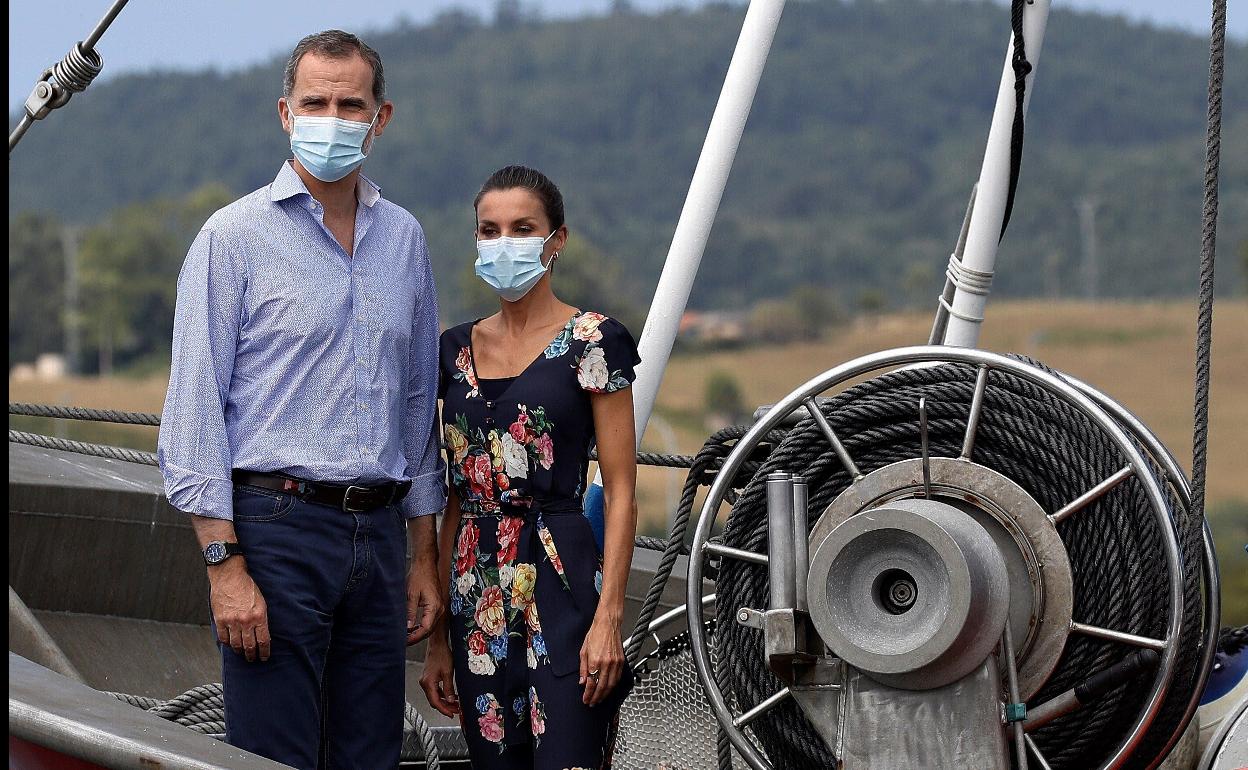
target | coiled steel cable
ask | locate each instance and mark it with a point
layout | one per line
(71, 75)
(1053, 452)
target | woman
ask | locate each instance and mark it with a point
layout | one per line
(536, 596)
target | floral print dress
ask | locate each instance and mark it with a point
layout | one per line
(527, 567)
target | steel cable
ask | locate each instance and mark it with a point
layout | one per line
(1208, 244)
(83, 413)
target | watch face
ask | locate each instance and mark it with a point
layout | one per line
(215, 553)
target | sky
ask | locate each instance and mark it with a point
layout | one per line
(232, 34)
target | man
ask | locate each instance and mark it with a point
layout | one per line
(299, 429)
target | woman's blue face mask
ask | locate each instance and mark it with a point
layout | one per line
(329, 148)
(512, 266)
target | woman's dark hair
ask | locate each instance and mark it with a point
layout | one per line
(511, 177)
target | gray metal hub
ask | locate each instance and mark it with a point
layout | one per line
(1037, 565)
(914, 593)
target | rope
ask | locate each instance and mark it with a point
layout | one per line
(1022, 68)
(420, 727)
(1052, 451)
(712, 454)
(1208, 240)
(202, 709)
(655, 459)
(1232, 640)
(82, 413)
(80, 447)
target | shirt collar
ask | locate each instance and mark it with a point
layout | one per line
(287, 184)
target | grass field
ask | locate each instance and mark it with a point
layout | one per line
(1139, 353)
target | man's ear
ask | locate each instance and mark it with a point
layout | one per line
(283, 113)
(383, 117)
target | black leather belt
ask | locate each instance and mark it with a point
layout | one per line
(352, 499)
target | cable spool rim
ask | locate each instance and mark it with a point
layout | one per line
(935, 354)
(1211, 582)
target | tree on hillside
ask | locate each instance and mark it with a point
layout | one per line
(36, 286)
(725, 404)
(129, 266)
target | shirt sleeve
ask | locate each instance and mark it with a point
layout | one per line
(422, 447)
(193, 448)
(608, 364)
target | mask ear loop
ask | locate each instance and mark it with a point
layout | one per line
(553, 255)
(372, 124)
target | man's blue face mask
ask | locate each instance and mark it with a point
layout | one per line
(329, 148)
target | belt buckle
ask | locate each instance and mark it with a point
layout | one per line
(346, 500)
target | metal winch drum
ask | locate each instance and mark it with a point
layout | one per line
(964, 560)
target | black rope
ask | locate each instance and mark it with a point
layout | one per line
(1232, 640)
(701, 471)
(1022, 68)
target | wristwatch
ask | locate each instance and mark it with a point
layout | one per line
(218, 551)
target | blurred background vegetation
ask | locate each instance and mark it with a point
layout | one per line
(843, 205)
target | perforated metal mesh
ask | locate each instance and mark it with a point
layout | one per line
(666, 723)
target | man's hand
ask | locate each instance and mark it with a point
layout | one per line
(425, 603)
(238, 609)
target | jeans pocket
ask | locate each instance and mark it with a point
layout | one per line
(256, 504)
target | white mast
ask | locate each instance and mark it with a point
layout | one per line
(973, 277)
(694, 227)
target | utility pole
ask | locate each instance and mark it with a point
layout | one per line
(1086, 207)
(1052, 275)
(70, 318)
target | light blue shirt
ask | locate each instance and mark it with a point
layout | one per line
(291, 356)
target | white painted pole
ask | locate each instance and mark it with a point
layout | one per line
(983, 237)
(694, 226)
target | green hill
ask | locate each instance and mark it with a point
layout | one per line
(863, 144)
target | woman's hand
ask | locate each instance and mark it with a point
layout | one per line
(602, 654)
(438, 678)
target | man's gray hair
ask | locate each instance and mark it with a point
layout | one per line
(335, 44)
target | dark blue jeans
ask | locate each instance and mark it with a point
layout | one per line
(331, 694)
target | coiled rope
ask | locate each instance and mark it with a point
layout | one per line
(1053, 452)
(202, 709)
